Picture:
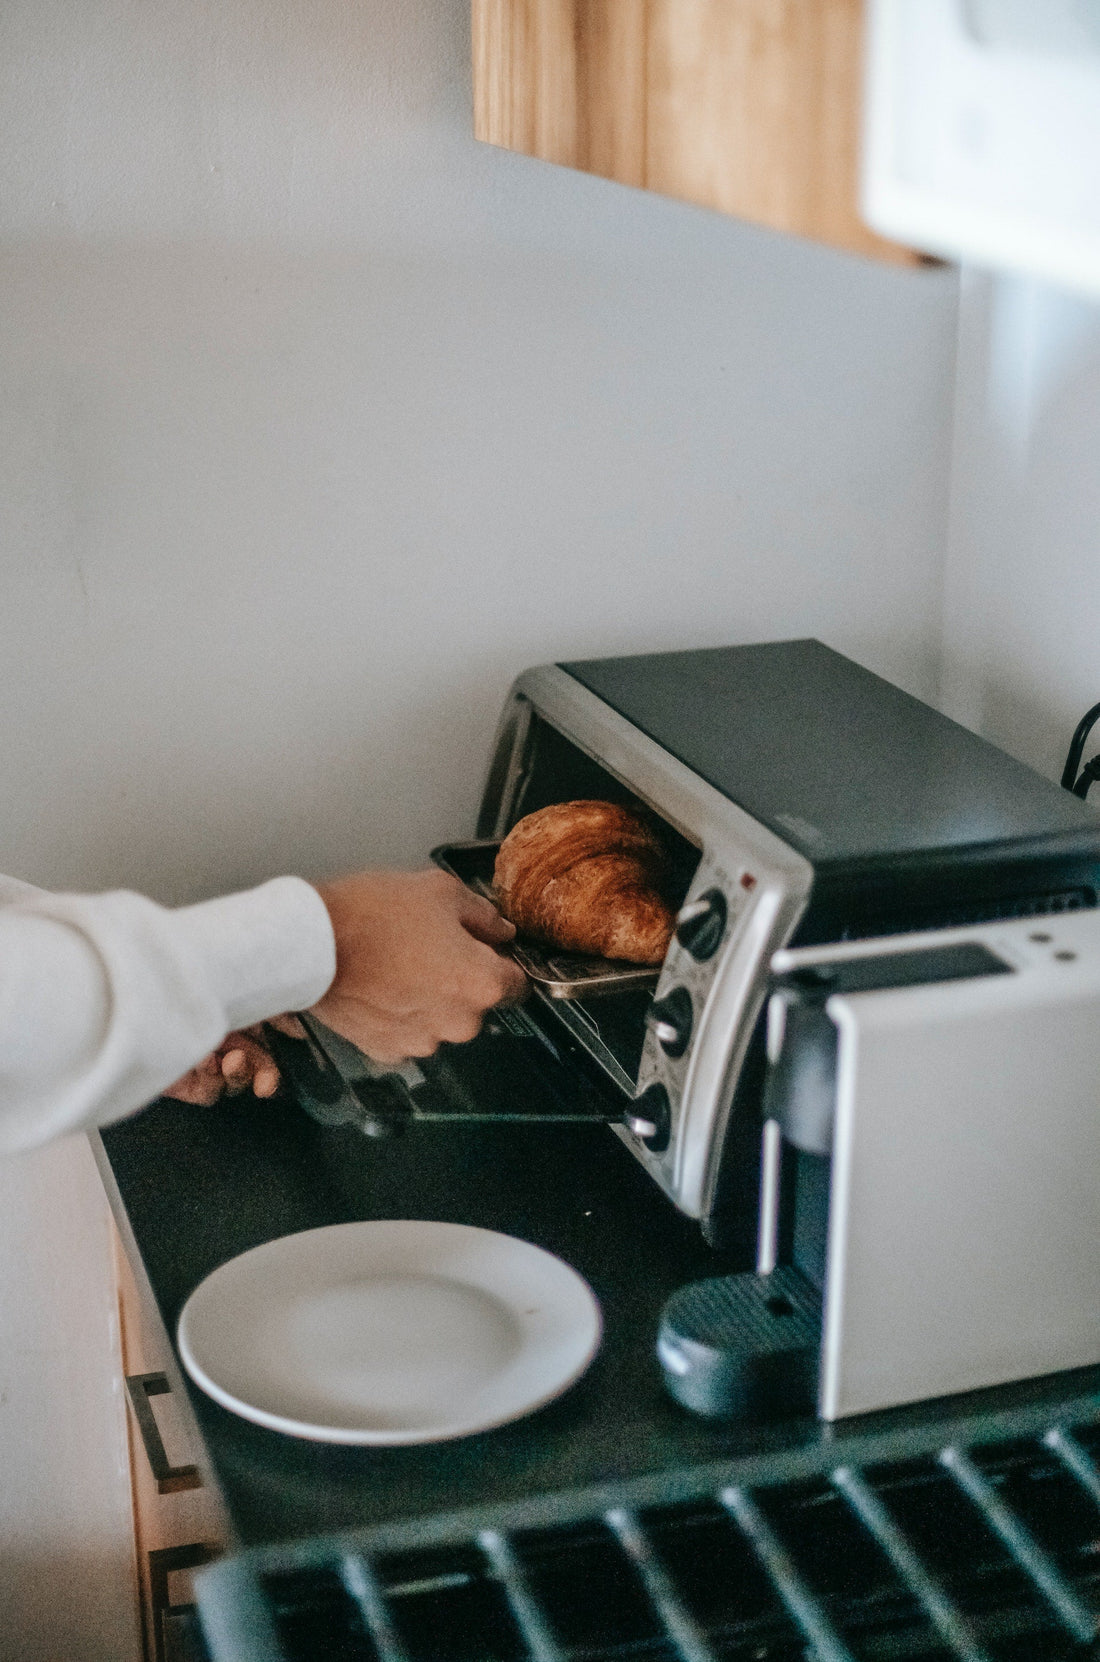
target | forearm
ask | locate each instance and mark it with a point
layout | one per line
(106, 999)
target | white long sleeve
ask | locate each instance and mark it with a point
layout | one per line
(107, 999)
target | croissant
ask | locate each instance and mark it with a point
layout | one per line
(587, 877)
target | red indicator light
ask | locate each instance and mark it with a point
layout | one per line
(748, 881)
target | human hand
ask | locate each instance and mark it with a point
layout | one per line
(416, 962)
(240, 1060)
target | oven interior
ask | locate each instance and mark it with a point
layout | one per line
(553, 1057)
(585, 1048)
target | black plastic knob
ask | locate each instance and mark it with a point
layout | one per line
(650, 1118)
(671, 1018)
(702, 924)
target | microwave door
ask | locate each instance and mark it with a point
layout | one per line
(513, 1073)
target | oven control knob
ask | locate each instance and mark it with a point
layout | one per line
(701, 924)
(671, 1019)
(650, 1118)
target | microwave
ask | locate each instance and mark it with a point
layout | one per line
(804, 802)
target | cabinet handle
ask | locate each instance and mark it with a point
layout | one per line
(162, 1561)
(169, 1479)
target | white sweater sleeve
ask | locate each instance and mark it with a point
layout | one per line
(106, 999)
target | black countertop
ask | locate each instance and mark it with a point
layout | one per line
(194, 1187)
(200, 1185)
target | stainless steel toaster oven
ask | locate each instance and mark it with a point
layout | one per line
(805, 801)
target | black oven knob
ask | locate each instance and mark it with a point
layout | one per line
(701, 924)
(671, 1018)
(650, 1118)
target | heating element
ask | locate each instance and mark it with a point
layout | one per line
(980, 1548)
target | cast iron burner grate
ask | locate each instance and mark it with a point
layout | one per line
(976, 1551)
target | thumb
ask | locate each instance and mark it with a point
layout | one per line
(481, 918)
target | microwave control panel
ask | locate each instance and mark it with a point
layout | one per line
(705, 1004)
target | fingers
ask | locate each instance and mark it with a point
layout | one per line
(513, 984)
(201, 1087)
(197, 1094)
(244, 1062)
(240, 1060)
(417, 962)
(483, 978)
(235, 1069)
(243, 1067)
(487, 982)
(480, 917)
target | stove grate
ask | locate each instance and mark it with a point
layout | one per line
(981, 1552)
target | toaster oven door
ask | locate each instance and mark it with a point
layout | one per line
(680, 1049)
(514, 1071)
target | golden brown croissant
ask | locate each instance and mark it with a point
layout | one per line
(586, 877)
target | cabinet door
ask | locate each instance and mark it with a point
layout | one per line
(748, 106)
(178, 1524)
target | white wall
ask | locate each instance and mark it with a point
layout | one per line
(1022, 614)
(318, 421)
(321, 420)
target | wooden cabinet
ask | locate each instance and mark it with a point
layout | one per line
(748, 106)
(178, 1524)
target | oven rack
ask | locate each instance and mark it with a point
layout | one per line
(979, 1548)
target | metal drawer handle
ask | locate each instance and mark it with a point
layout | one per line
(169, 1479)
(162, 1562)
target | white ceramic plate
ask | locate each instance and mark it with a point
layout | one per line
(389, 1332)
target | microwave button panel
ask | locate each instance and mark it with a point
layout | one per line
(672, 1018)
(675, 1020)
(687, 977)
(649, 1117)
(704, 924)
(701, 924)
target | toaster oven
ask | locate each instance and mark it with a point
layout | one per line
(804, 801)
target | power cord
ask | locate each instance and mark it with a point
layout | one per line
(1072, 780)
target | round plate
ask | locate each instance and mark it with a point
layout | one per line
(389, 1332)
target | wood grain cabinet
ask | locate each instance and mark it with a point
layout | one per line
(178, 1525)
(751, 107)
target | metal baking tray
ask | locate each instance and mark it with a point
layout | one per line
(556, 974)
